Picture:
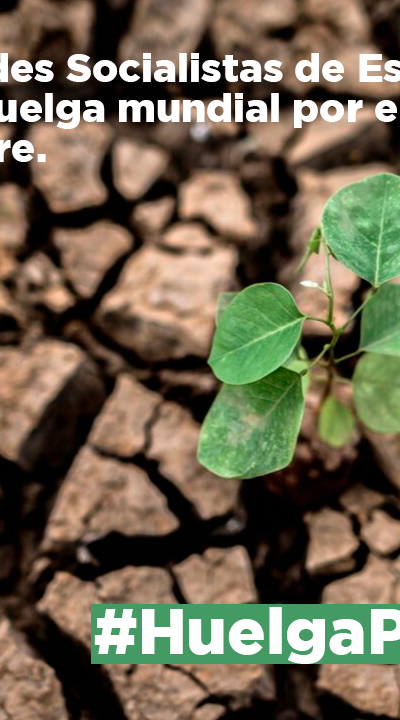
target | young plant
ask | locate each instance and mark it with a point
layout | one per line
(253, 425)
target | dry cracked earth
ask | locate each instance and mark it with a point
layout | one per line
(112, 255)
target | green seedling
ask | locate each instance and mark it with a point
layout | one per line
(253, 425)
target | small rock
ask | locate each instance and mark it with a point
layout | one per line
(37, 570)
(151, 218)
(67, 599)
(39, 29)
(163, 305)
(136, 167)
(359, 500)
(349, 19)
(29, 688)
(45, 395)
(330, 42)
(396, 571)
(211, 711)
(174, 439)
(43, 20)
(375, 584)
(12, 37)
(70, 178)
(381, 533)
(160, 691)
(222, 576)
(242, 29)
(190, 237)
(201, 132)
(151, 691)
(216, 197)
(39, 283)
(349, 56)
(332, 540)
(7, 131)
(8, 265)
(274, 138)
(242, 683)
(100, 496)
(386, 449)
(322, 144)
(370, 689)
(122, 426)
(176, 28)
(13, 220)
(88, 253)
(78, 332)
(139, 585)
(12, 317)
(386, 12)
(188, 383)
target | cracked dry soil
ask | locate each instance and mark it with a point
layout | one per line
(112, 255)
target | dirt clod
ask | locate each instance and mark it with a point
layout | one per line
(45, 393)
(163, 305)
(29, 689)
(218, 576)
(332, 541)
(101, 495)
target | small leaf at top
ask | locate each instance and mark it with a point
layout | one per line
(251, 430)
(336, 423)
(377, 392)
(314, 242)
(224, 299)
(313, 247)
(361, 224)
(380, 322)
(256, 334)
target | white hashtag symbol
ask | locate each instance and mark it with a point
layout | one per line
(108, 623)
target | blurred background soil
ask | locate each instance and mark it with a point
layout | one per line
(112, 255)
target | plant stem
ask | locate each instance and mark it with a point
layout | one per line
(336, 332)
(316, 359)
(318, 319)
(347, 357)
(357, 312)
(329, 288)
(349, 321)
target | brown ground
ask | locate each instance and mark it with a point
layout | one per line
(112, 255)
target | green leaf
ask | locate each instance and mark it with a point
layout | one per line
(377, 392)
(251, 430)
(298, 362)
(361, 224)
(336, 423)
(313, 247)
(380, 322)
(256, 334)
(224, 299)
(314, 242)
